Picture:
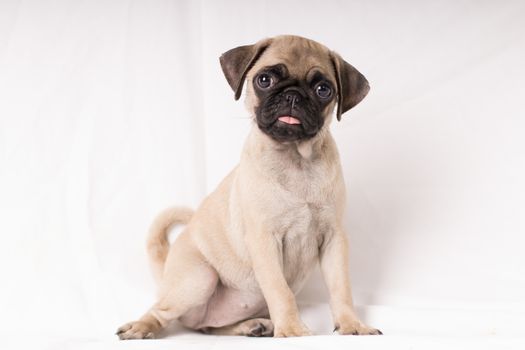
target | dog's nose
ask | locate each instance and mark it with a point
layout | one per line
(292, 98)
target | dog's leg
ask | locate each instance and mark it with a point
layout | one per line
(188, 282)
(267, 265)
(335, 269)
(255, 327)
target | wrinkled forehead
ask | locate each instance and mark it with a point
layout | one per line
(303, 58)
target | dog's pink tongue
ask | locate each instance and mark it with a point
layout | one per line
(289, 120)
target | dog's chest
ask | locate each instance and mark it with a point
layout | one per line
(304, 231)
(299, 209)
(305, 218)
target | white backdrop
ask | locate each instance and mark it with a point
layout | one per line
(113, 110)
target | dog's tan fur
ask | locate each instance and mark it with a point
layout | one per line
(252, 243)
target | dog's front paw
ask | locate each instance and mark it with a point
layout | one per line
(355, 328)
(135, 330)
(292, 329)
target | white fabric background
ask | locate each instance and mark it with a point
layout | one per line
(113, 110)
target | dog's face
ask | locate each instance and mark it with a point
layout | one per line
(291, 106)
(293, 85)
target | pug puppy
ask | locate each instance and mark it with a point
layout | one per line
(250, 246)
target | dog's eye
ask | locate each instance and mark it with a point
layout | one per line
(323, 91)
(264, 81)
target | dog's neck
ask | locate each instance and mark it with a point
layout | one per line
(306, 150)
(308, 171)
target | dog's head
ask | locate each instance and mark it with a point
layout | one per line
(293, 85)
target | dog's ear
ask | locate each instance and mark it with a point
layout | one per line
(236, 63)
(352, 86)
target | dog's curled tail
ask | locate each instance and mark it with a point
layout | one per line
(158, 244)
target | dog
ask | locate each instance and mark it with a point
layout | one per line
(252, 243)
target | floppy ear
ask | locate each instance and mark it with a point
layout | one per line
(236, 63)
(352, 86)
